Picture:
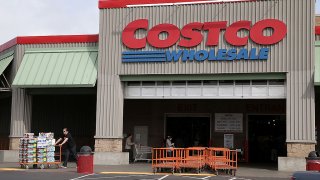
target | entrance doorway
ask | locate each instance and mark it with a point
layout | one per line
(266, 138)
(188, 131)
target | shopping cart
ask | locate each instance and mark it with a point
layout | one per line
(143, 153)
(42, 165)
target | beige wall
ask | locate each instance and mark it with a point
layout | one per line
(294, 56)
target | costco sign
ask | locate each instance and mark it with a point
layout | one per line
(191, 35)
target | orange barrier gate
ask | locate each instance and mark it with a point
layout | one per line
(222, 159)
(179, 159)
(166, 158)
(194, 158)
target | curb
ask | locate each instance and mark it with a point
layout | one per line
(11, 169)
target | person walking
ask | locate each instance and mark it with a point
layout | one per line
(128, 147)
(69, 146)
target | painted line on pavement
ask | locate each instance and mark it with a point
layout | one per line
(112, 177)
(11, 169)
(82, 176)
(185, 174)
(163, 177)
(130, 173)
(191, 177)
(206, 177)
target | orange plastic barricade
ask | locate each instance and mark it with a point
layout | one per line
(222, 159)
(194, 158)
(165, 158)
(180, 159)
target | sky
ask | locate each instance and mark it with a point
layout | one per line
(51, 17)
(47, 17)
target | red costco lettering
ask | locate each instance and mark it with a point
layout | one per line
(231, 33)
(128, 37)
(214, 29)
(173, 35)
(191, 35)
(279, 31)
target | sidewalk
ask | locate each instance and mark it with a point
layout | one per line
(243, 171)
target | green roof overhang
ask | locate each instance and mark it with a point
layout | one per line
(55, 68)
(5, 60)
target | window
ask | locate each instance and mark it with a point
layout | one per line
(178, 83)
(134, 83)
(163, 83)
(259, 82)
(227, 82)
(194, 83)
(148, 83)
(210, 83)
(243, 82)
(276, 82)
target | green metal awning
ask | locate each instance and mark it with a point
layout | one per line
(5, 60)
(45, 68)
(317, 64)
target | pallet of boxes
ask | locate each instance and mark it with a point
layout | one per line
(39, 151)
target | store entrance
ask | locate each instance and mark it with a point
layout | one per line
(266, 138)
(189, 131)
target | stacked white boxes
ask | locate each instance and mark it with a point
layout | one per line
(28, 149)
(41, 150)
(45, 147)
(37, 149)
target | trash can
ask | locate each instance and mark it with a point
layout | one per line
(313, 161)
(85, 160)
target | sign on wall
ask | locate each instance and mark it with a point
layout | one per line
(192, 34)
(228, 122)
(228, 141)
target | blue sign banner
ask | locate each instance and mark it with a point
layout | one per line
(193, 55)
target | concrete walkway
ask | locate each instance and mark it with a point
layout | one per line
(243, 170)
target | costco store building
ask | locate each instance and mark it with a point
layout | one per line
(239, 74)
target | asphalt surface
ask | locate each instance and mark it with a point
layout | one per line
(136, 171)
(72, 175)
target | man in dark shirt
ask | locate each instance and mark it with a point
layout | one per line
(69, 146)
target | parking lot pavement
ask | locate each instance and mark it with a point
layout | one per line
(166, 177)
(133, 172)
(72, 175)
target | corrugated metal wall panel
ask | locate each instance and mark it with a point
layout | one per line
(254, 11)
(21, 101)
(294, 55)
